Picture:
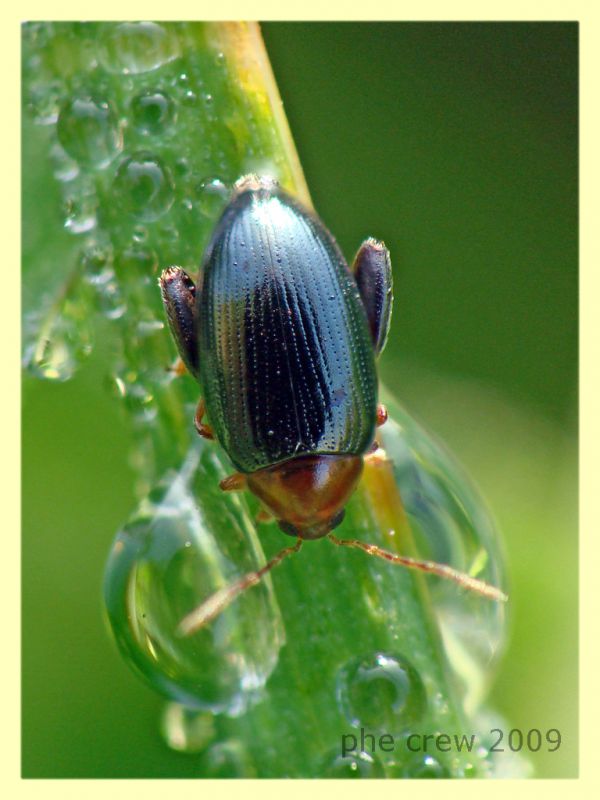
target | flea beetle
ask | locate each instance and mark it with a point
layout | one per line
(283, 338)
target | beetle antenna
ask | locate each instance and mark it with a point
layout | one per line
(218, 601)
(443, 570)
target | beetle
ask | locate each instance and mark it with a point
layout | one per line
(283, 338)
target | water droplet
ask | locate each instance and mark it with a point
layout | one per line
(185, 730)
(88, 130)
(358, 765)
(135, 47)
(110, 300)
(182, 166)
(96, 263)
(421, 766)
(189, 97)
(140, 234)
(65, 168)
(55, 344)
(152, 111)
(468, 771)
(382, 693)
(212, 195)
(44, 101)
(155, 578)
(135, 262)
(228, 760)
(450, 525)
(144, 186)
(51, 356)
(80, 213)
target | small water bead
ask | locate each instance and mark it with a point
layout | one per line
(80, 213)
(144, 187)
(89, 132)
(136, 47)
(64, 168)
(57, 344)
(228, 760)
(140, 234)
(96, 264)
(355, 765)
(110, 300)
(139, 401)
(182, 544)
(43, 102)
(213, 195)
(135, 263)
(189, 98)
(421, 766)
(382, 693)
(182, 166)
(186, 730)
(152, 111)
(51, 357)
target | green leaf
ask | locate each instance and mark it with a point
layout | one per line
(135, 133)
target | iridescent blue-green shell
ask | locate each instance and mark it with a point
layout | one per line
(287, 364)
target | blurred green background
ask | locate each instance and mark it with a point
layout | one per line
(456, 144)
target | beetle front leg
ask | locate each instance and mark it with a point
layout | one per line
(382, 415)
(373, 272)
(179, 299)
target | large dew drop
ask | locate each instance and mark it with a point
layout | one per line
(450, 525)
(88, 130)
(152, 111)
(382, 693)
(144, 187)
(135, 47)
(181, 546)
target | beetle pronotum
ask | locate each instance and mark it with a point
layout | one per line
(283, 337)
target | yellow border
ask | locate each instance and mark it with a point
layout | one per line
(588, 15)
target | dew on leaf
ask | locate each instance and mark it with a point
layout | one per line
(89, 132)
(381, 692)
(152, 111)
(137, 47)
(144, 187)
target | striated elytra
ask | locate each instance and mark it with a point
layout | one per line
(282, 337)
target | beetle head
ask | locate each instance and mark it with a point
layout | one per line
(307, 494)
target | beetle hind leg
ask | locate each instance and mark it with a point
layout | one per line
(234, 483)
(203, 429)
(373, 272)
(179, 299)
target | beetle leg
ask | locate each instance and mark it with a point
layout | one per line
(178, 368)
(443, 570)
(204, 430)
(218, 601)
(382, 415)
(373, 272)
(264, 516)
(376, 455)
(179, 299)
(234, 483)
